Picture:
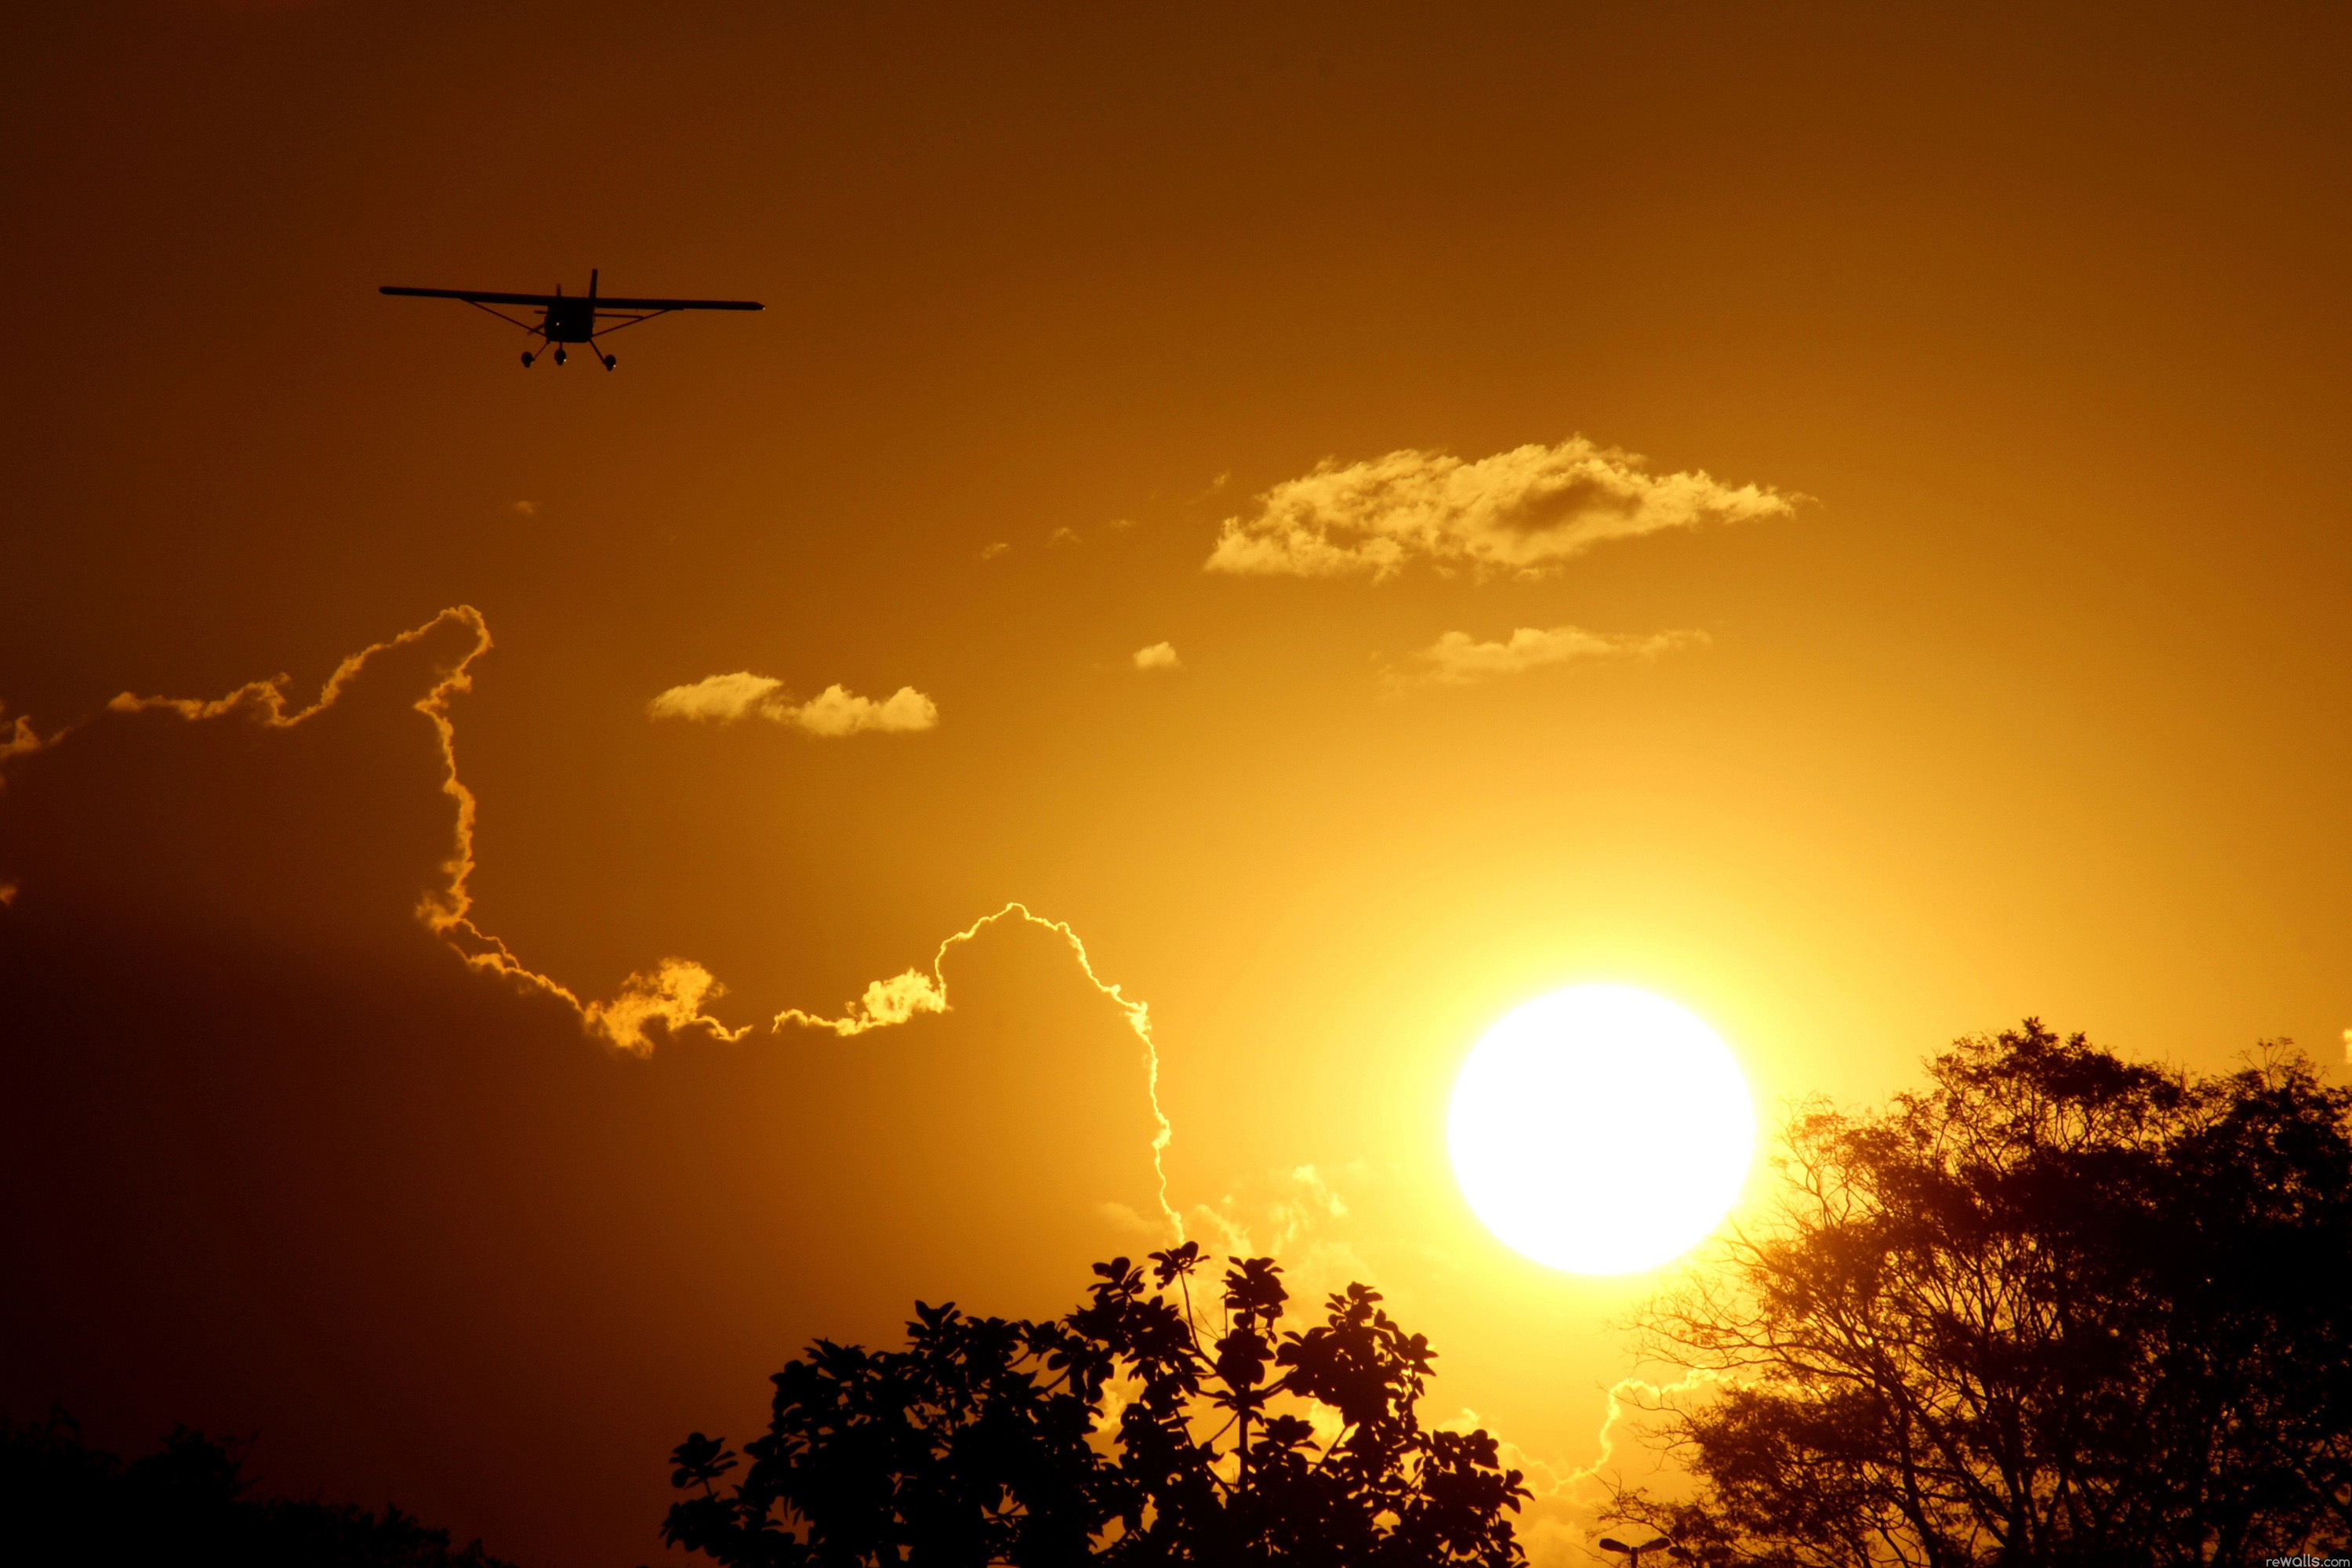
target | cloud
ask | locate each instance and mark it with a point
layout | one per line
(18, 738)
(894, 1001)
(1158, 656)
(1298, 1213)
(1064, 536)
(992, 550)
(672, 996)
(526, 509)
(96, 806)
(89, 827)
(1527, 510)
(835, 711)
(1454, 660)
(719, 700)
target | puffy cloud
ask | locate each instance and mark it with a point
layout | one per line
(672, 996)
(991, 550)
(886, 1002)
(719, 700)
(1454, 660)
(836, 710)
(1158, 656)
(1526, 510)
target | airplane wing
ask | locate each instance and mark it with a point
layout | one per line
(474, 296)
(605, 304)
(481, 297)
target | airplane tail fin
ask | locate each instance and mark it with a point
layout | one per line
(592, 283)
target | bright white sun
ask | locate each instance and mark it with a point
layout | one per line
(1601, 1129)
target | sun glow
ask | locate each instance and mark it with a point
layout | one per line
(1601, 1129)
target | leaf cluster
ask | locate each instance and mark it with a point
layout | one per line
(1129, 1431)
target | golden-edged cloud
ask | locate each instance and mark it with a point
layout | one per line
(834, 711)
(1158, 656)
(1455, 659)
(673, 992)
(1526, 510)
(672, 999)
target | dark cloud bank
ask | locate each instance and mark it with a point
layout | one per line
(280, 1162)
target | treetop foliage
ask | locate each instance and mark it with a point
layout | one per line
(1127, 1431)
(2055, 1309)
(62, 1501)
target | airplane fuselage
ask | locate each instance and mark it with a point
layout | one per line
(572, 320)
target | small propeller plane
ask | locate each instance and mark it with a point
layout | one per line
(573, 318)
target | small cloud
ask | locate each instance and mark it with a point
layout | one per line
(1525, 511)
(1454, 660)
(2347, 1045)
(992, 550)
(900, 998)
(1213, 487)
(835, 711)
(1064, 536)
(524, 508)
(1120, 523)
(1123, 1217)
(1158, 656)
(672, 996)
(721, 699)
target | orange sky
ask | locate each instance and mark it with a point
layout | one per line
(1970, 639)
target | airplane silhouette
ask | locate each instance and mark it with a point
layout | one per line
(573, 318)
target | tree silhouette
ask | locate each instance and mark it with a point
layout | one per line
(1126, 1432)
(2057, 1309)
(62, 1501)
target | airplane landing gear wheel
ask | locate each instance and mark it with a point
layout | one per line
(610, 360)
(526, 359)
(561, 356)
